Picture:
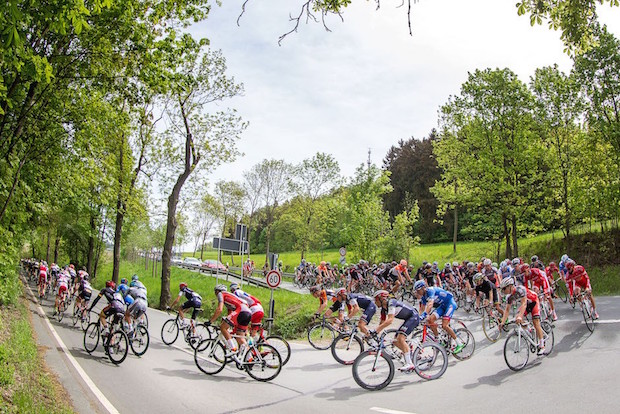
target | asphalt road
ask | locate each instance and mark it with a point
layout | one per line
(578, 376)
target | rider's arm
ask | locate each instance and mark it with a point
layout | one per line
(387, 322)
(218, 312)
(522, 308)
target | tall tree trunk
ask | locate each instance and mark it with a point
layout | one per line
(56, 246)
(118, 231)
(456, 228)
(47, 253)
(507, 237)
(515, 246)
(91, 245)
(202, 245)
(567, 212)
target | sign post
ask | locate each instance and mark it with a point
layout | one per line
(273, 280)
(343, 254)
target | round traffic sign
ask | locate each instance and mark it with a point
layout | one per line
(343, 251)
(273, 279)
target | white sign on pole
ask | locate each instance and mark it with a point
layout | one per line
(273, 279)
(342, 251)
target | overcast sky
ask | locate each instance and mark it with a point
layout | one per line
(367, 83)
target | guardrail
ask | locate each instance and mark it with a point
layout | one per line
(252, 279)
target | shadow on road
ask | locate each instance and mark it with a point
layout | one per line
(315, 367)
(498, 379)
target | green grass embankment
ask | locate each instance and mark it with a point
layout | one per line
(25, 384)
(293, 311)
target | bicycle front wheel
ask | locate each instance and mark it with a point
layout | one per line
(467, 339)
(549, 337)
(91, 337)
(170, 331)
(490, 327)
(373, 370)
(321, 336)
(561, 292)
(281, 345)
(346, 348)
(430, 360)
(117, 347)
(210, 356)
(262, 362)
(588, 313)
(201, 332)
(516, 351)
(140, 340)
(76, 315)
(85, 320)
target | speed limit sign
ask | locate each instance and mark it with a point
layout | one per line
(273, 279)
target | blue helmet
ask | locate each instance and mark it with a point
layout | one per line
(419, 285)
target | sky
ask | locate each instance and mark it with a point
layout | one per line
(367, 83)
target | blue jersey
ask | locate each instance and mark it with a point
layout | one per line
(439, 296)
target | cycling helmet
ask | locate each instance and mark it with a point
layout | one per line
(552, 266)
(455, 264)
(220, 288)
(570, 264)
(314, 289)
(234, 286)
(516, 261)
(534, 259)
(470, 265)
(124, 281)
(340, 291)
(134, 277)
(487, 262)
(182, 285)
(424, 263)
(419, 285)
(381, 294)
(478, 277)
(524, 268)
(427, 266)
(403, 262)
(494, 264)
(110, 284)
(361, 262)
(564, 258)
(506, 282)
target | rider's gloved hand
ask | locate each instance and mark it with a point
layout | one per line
(208, 323)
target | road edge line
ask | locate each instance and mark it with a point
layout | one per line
(89, 382)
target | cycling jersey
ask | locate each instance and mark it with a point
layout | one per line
(539, 279)
(532, 300)
(85, 290)
(486, 287)
(194, 300)
(115, 301)
(239, 315)
(491, 275)
(402, 311)
(364, 302)
(256, 308)
(578, 278)
(443, 302)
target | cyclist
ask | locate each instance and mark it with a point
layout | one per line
(62, 288)
(485, 288)
(393, 309)
(528, 303)
(194, 301)
(539, 284)
(138, 304)
(42, 279)
(115, 305)
(256, 308)
(490, 272)
(85, 291)
(536, 263)
(355, 302)
(578, 279)
(447, 275)
(444, 306)
(239, 316)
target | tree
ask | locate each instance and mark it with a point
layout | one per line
(198, 80)
(207, 212)
(312, 179)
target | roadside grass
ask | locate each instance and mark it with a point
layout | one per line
(292, 313)
(26, 386)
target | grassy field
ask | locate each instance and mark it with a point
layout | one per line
(292, 312)
(25, 384)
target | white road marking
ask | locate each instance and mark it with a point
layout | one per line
(95, 390)
(388, 411)
(605, 321)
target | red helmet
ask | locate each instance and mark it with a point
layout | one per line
(182, 285)
(110, 284)
(403, 262)
(553, 266)
(570, 265)
(524, 268)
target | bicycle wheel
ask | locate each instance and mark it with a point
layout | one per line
(409, 298)
(430, 360)
(201, 332)
(76, 315)
(144, 320)
(490, 327)
(91, 337)
(210, 356)
(61, 311)
(281, 345)
(346, 348)
(321, 336)
(549, 337)
(373, 370)
(170, 331)
(262, 362)
(588, 313)
(140, 340)
(561, 292)
(467, 339)
(117, 346)
(85, 320)
(516, 351)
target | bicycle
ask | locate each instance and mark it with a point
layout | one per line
(278, 342)
(444, 339)
(374, 369)
(80, 314)
(170, 331)
(60, 310)
(521, 341)
(587, 309)
(321, 335)
(545, 308)
(490, 323)
(559, 289)
(347, 346)
(115, 343)
(261, 361)
(139, 338)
